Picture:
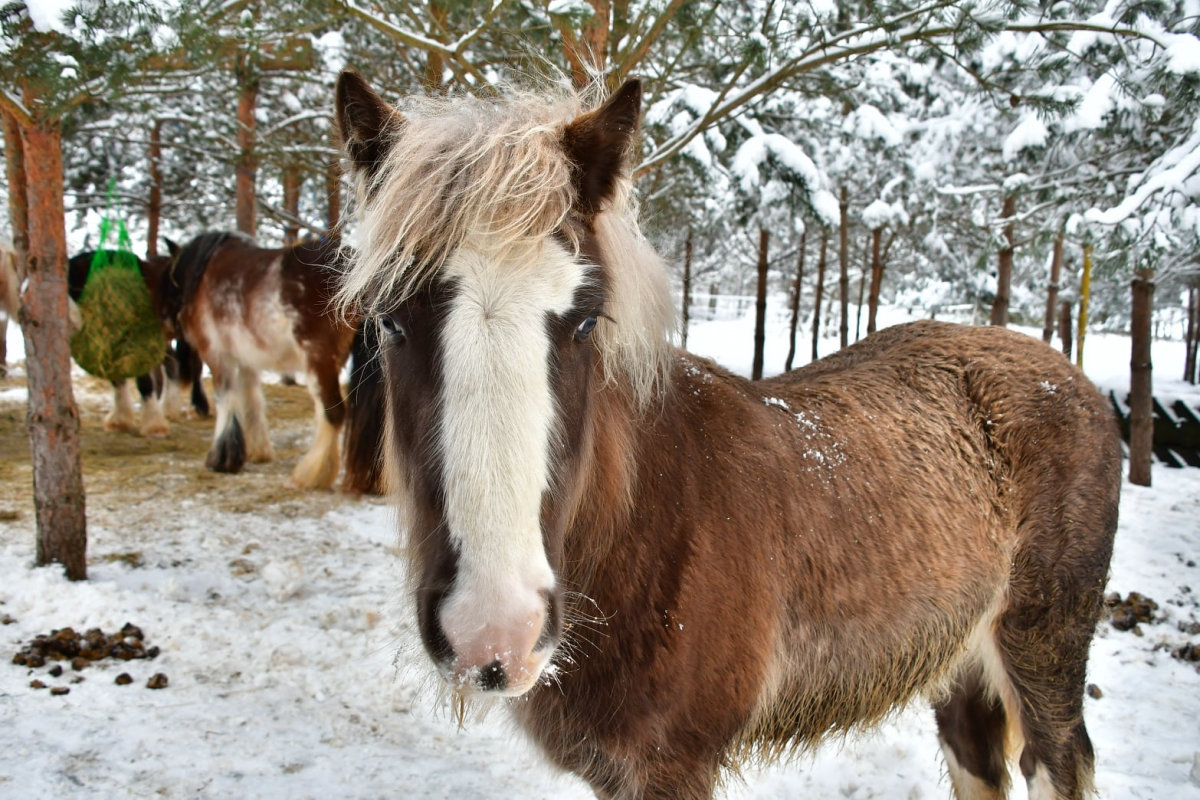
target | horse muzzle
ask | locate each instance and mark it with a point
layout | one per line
(504, 657)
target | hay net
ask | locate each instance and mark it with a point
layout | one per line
(121, 336)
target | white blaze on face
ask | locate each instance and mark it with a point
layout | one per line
(497, 418)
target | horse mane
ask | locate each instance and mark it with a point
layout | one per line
(496, 170)
(179, 282)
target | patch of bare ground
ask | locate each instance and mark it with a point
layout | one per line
(133, 481)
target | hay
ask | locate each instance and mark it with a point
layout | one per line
(121, 335)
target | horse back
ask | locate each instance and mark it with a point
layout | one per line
(859, 523)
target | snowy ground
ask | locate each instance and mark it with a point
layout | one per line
(286, 643)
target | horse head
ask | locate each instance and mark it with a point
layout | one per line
(503, 271)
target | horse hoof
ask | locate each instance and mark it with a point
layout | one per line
(228, 453)
(118, 425)
(155, 432)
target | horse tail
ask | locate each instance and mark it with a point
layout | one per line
(365, 404)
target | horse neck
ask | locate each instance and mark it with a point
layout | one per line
(623, 460)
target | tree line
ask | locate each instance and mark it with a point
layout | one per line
(976, 151)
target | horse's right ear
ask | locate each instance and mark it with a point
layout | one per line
(172, 248)
(366, 123)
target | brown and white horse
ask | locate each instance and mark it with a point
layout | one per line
(246, 309)
(670, 568)
(10, 298)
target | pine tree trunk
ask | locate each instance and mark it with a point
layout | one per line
(1192, 337)
(760, 306)
(687, 288)
(333, 190)
(435, 63)
(844, 278)
(1052, 291)
(820, 293)
(1065, 328)
(876, 281)
(1085, 293)
(52, 416)
(787, 366)
(247, 164)
(1004, 270)
(862, 291)
(1141, 399)
(18, 215)
(154, 207)
(291, 203)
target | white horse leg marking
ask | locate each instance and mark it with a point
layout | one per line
(154, 421)
(121, 418)
(173, 403)
(1040, 785)
(498, 415)
(967, 786)
(254, 416)
(318, 469)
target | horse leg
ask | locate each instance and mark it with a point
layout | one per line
(121, 418)
(254, 408)
(228, 452)
(154, 422)
(318, 469)
(1055, 598)
(972, 726)
(172, 398)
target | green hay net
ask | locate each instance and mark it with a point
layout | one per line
(121, 336)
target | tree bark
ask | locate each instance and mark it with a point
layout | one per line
(333, 190)
(862, 291)
(760, 306)
(1085, 293)
(820, 293)
(435, 63)
(247, 164)
(687, 288)
(796, 304)
(52, 416)
(1004, 270)
(1192, 337)
(876, 281)
(1141, 399)
(1052, 291)
(1065, 328)
(291, 202)
(844, 278)
(14, 162)
(154, 208)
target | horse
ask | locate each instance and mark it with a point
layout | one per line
(160, 388)
(10, 298)
(244, 309)
(665, 570)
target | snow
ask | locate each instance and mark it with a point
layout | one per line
(1030, 132)
(295, 669)
(47, 15)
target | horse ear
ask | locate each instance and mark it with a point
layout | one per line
(600, 144)
(172, 248)
(366, 123)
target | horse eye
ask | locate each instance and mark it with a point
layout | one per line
(392, 329)
(585, 329)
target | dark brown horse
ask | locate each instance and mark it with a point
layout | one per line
(246, 309)
(675, 569)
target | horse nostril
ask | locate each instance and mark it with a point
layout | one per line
(492, 677)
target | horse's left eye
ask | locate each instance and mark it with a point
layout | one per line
(585, 329)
